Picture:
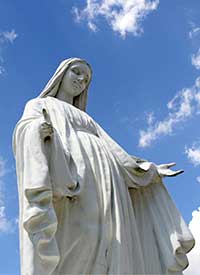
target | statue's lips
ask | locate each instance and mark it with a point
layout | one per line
(77, 86)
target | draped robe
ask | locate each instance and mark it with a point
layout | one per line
(118, 218)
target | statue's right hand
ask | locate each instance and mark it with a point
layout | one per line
(46, 128)
(46, 131)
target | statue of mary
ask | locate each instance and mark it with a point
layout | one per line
(86, 205)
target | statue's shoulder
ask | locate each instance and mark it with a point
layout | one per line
(34, 106)
(36, 103)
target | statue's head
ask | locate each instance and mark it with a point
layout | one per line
(74, 76)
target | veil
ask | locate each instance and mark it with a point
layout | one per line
(52, 87)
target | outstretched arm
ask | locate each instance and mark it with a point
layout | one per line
(138, 172)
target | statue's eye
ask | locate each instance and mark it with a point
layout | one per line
(76, 71)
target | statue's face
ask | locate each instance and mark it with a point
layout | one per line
(76, 78)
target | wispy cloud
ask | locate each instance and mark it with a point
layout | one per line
(150, 118)
(2, 70)
(2, 174)
(123, 16)
(2, 167)
(198, 179)
(6, 38)
(5, 224)
(194, 35)
(194, 255)
(193, 154)
(196, 60)
(183, 106)
(194, 32)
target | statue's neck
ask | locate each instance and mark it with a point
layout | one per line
(62, 95)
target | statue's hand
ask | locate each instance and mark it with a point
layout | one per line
(73, 186)
(46, 131)
(46, 128)
(164, 171)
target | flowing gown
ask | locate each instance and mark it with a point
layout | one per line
(117, 219)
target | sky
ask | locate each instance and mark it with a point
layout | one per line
(145, 90)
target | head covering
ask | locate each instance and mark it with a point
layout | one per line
(52, 87)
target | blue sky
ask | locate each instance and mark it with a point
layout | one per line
(145, 90)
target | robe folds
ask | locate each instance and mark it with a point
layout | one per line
(87, 206)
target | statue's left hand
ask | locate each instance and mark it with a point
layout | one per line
(165, 171)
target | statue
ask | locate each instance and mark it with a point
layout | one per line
(86, 205)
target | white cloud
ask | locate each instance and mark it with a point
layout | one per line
(6, 38)
(194, 255)
(2, 174)
(193, 154)
(2, 70)
(183, 106)
(124, 16)
(150, 118)
(198, 179)
(2, 167)
(194, 32)
(196, 60)
(194, 35)
(5, 224)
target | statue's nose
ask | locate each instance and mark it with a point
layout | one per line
(80, 78)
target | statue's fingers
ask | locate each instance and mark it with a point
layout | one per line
(175, 173)
(171, 164)
(44, 112)
(46, 116)
(166, 165)
(46, 126)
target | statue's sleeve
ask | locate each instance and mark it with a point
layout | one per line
(38, 221)
(137, 172)
(164, 236)
(38, 171)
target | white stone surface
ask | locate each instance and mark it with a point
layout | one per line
(87, 206)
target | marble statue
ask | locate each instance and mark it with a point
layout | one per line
(86, 205)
